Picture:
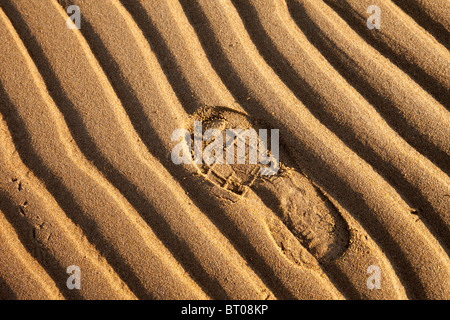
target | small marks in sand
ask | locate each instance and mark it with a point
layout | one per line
(22, 208)
(19, 183)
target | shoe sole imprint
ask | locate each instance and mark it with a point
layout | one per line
(305, 210)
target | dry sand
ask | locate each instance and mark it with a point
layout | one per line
(86, 176)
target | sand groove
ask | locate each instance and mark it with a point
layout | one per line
(19, 269)
(76, 188)
(114, 47)
(352, 118)
(131, 169)
(86, 178)
(405, 43)
(308, 138)
(377, 79)
(41, 219)
(431, 15)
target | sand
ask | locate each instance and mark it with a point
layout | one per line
(87, 179)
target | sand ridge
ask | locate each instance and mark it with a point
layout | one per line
(86, 118)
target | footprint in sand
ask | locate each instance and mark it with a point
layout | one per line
(303, 207)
